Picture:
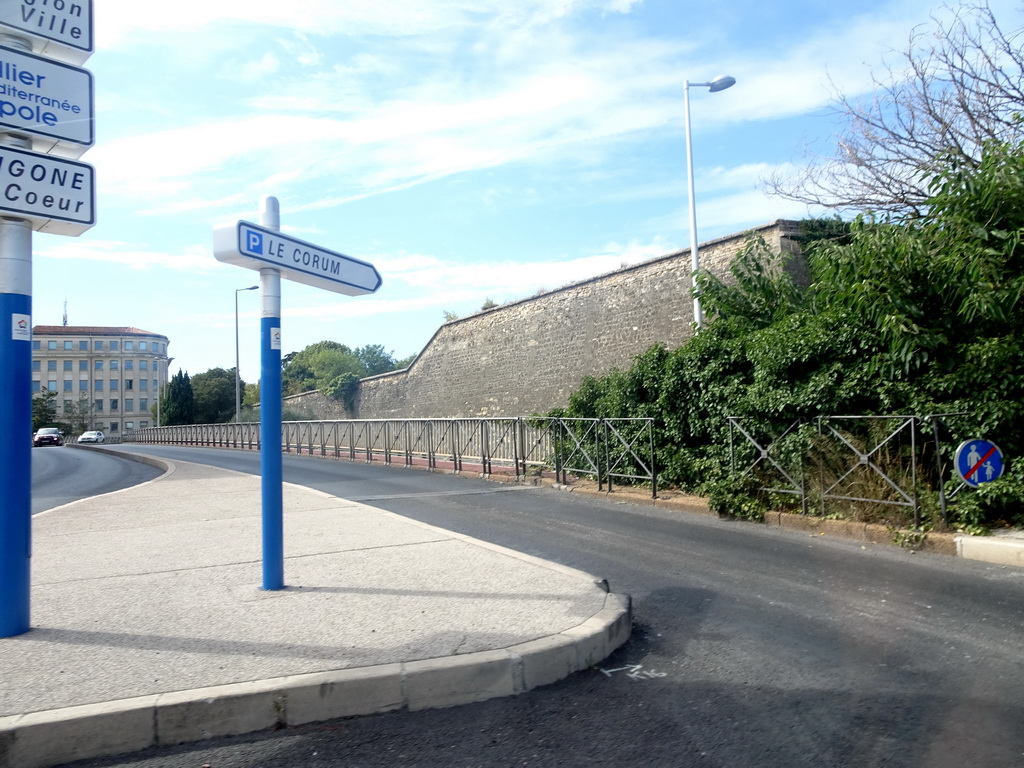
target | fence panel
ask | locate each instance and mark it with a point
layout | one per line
(600, 448)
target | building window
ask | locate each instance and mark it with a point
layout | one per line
(83, 365)
(68, 385)
(113, 426)
(98, 365)
(83, 346)
(67, 365)
(143, 404)
(35, 365)
(143, 365)
(113, 365)
(129, 365)
(35, 344)
(69, 345)
(67, 405)
(129, 346)
(98, 406)
(97, 385)
(114, 406)
(113, 346)
(51, 345)
(51, 365)
(113, 385)
(83, 386)
(51, 385)
(143, 424)
(129, 404)
(37, 386)
(98, 345)
(129, 425)
(142, 346)
(128, 384)
(144, 384)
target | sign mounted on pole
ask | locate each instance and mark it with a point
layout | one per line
(57, 196)
(262, 247)
(978, 461)
(256, 247)
(47, 100)
(59, 29)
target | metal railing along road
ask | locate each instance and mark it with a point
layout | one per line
(604, 449)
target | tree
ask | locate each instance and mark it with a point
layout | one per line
(375, 360)
(946, 95)
(920, 317)
(179, 401)
(214, 396)
(316, 366)
(79, 415)
(44, 410)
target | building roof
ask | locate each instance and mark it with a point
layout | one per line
(91, 330)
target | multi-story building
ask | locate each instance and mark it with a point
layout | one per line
(112, 377)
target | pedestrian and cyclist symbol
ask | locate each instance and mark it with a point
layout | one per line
(978, 461)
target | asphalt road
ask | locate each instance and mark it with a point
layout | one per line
(64, 474)
(751, 646)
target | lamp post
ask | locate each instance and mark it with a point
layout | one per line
(238, 378)
(720, 83)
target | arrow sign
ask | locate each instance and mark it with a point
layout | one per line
(249, 245)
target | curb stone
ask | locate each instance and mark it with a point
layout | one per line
(41, 739)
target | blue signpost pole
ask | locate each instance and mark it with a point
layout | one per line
(15, 425)
(270, 411)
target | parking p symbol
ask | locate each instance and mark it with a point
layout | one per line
(253, 241)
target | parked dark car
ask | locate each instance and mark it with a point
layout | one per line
(48, 436)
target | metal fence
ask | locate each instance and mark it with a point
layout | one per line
(607, 450)
(865, 459)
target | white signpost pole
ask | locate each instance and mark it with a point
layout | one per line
(15, 420)
(270, 410)
(37, 192)
(262, 247)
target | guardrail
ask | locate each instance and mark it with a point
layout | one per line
(608, 450)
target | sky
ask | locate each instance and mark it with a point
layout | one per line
(471, 150)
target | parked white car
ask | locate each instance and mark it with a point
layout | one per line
(91, 437)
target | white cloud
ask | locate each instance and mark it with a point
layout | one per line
(192, 259)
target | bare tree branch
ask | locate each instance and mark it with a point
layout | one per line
(948, 92)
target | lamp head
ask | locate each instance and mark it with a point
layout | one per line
(721, 82)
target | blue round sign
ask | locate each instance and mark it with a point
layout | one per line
(978, 461)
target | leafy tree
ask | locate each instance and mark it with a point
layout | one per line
(951, 91)
(320, 365)
(375, 360)
(922, 317)
(214, 396)
(79, 415)
(178, 405)
(44, 410)
(316, 366)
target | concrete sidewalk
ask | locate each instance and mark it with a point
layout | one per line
(149, 626)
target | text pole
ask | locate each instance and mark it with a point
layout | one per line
(15, 425)
(270, 411)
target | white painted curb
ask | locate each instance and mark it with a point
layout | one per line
(41, 739)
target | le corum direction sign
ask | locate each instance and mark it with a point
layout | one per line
(249, 245)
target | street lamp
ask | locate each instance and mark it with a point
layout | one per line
(720, 83)
(238, 378)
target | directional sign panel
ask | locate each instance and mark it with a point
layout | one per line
(60, 29)
(57, 195)
(249, 245)
(49, 101)
(978, 461)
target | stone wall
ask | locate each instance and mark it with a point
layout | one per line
(527, 356)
